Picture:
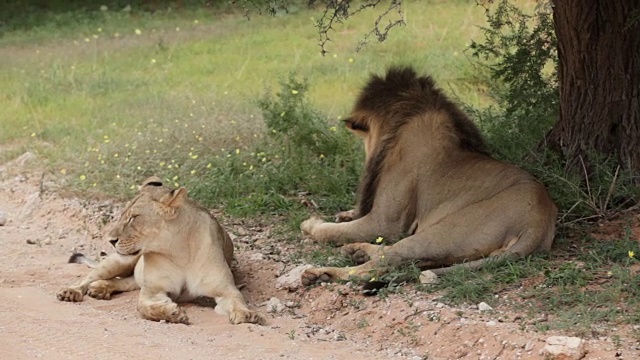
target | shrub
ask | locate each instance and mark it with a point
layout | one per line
(303, 155)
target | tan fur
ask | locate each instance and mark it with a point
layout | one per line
(429, 181)
(172, 250)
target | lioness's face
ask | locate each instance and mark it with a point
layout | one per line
(143, 224)
(138, 225)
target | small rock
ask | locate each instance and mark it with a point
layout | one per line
(428, 277)
(3, 219)
(483, 306)
(274, 305)
(564, 347)
(256, 256)
(31, 242)
(529, 346)
(291, 280)
(31, 204)
(23, 159)
(492, 323)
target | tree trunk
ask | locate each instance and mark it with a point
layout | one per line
(599, 74)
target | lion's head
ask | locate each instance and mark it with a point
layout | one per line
(384, 107)
(144, 222)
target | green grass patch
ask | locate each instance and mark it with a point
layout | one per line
(599, 287)
(108, 97)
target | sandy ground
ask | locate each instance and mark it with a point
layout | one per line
(326, 322)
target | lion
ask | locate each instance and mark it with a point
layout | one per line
(172, 250)
(429, 181)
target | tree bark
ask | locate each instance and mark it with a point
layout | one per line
(599, 77)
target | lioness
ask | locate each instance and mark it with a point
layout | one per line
(172, 250)
(429, 178)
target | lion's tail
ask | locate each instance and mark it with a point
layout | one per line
(78, 258)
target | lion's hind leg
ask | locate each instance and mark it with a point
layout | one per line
(231, 303)
(159, 306)
(331, 274)
(382, 259)
(219, 285)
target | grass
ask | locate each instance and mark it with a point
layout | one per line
(110, 97)
(582, 286)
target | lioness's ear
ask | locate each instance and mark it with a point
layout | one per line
(170, 203)
(175, 198)
(151, 181)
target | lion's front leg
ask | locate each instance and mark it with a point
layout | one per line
(364, 229)
(159, 306)
(112, 266)
(103, 289)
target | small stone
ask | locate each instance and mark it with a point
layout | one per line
(529, 346)
(274, 305)
(31, 242)
(428, 277)
(3, 219)
(564, 347)
(483, 306)
(492, 323)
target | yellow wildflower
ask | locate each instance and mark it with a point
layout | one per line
(379, 240)
(632, 254)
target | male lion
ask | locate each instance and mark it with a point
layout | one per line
(428, 178)
(172, 250)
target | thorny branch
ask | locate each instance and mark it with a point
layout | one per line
(336, 12)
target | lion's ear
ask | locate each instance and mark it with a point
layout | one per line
(355, 125)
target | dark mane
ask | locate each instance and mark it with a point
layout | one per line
(396, 99)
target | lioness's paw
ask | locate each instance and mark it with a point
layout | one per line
(177, 315)
(69, 294)
(246, 316)
(100, 289)
(357, 252)
(312, 276)
(345, 216)
(308, 225)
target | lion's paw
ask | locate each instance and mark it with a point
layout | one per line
(246, 316)
(69, 294)
(308, 225)
(313, 276)
(100, 289)
(356, 252)
(345, 216)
